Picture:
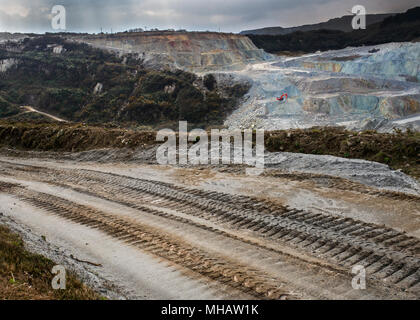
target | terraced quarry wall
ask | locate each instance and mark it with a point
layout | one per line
(359, 88)
(193, 51)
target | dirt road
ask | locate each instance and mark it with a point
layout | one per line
(154, 232)
(31, 109)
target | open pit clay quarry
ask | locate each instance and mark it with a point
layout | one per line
(133, 229)
(364, 88)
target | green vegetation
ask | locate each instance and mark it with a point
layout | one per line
(399, 150)
(27, 276)
(398, 28)
(210, 82)
(64, 85)
(7, 109)
(70, 137)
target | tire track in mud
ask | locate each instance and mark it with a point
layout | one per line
(341, 184)
(149, 239)
(320, 180)
(280, 270)
(386, 253)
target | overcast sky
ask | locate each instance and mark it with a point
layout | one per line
(226, 15)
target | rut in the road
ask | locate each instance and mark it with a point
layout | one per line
(152, 240)
(339, 183)
(384, 252)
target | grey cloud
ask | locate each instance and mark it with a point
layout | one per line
(229, 15)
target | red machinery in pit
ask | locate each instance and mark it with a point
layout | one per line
(283, 98)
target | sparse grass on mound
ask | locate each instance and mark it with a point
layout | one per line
(398, 150)
(27, 276)
(70, 137)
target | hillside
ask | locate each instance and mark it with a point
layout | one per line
(399, 28)
(338, 24)
(76, 82)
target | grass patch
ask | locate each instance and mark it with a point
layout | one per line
(27, 276)
(399, 150)
(70, 137)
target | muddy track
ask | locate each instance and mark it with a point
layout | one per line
(262, 282)
(320, 180)
(162, 245)
(390, 257)
(341, 184)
